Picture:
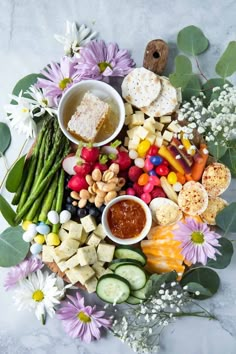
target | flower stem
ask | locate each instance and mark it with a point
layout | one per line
(203, 314)
(200, 70)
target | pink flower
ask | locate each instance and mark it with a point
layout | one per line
(80, 320)
(198, 242)
(58, 78)
(98, 60)
(21, 271)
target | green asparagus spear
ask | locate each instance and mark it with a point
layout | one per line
(17, 195)
(59, 199)
(36, 206)
(48, 199)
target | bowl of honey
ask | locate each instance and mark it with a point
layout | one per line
(127, 220)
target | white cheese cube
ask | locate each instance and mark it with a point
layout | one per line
(128, 109)
(150, 120)
(67, 224)
(93, 240)
(89, 223)
(165, 119)
(80, 274)
(128, 119)
(105, 252)
(99, 270)
(73, 261)
(91, 285)
(47, 253)
(142, 132)
(149, 126)
(174, 127)
(136, 139)
(101, 263)
(99, 231)
(167, 135)
(75, 231)
(132, 145)
(87, 255)
(132, 132)
(151, 138)
(84, 237)
(159, 126)
(66, 249)
(63, 234)
(62, 266)
(159, 141)
(137, 119)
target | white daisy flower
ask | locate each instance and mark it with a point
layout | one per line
(21, 115)
(75, 38)
(41, 101)
(39, 293)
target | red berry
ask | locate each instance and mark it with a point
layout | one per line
(76, 183)
(157, 192)
(134, 173)
(153, 150)
(83, 169)
(123, 160)
(102, 167)
(138, 189)
(89, 154)
(162, 170)
(130, 191)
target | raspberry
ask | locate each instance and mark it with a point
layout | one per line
(134, 173)
(157, 192)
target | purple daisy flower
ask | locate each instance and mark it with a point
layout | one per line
(198, 242)
(21, 271)
(98, 60)
(80, 320)
(59, 77)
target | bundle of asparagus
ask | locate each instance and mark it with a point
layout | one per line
(42, 185)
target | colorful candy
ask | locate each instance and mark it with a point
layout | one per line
(146, 197)
(148, 165)
(36, 248)
(133, 154)
(154, 180)
(143, 148)
(162, 170)
(153, 150)
(143, 179)
(156, 160)
(180, 178)
(139, 162)
(152, 173)
(177, 187)
(148, 187)
(130, 191)
(172, 178)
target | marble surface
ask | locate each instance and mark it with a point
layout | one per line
(27, 45)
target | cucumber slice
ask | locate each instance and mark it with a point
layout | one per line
(117, 262)
(140, 294)
(113, 289)
(130, 252)
(132, 300)
(133, 274)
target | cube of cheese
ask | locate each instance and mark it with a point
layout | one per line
(47, 254)
(63, 234)
(151, 138)
(89, 223)
(142, 132)
(137, 119)
(174, 127)
(66, 249)
(91, 285)
(159, 126)
(75, 231)
(159, 141)
(167, 135)
(73, 261)
(99, 231)
(126, 141)
(81, 274)
(84, 237)
(149, 126)
(128, 120)
(66, 225)
(132, 132)
(165, 119)
(87, 255)
(105, 252)
(93, 240)
(128, 109)
(62, 266)
(99, 270)
(132, 145)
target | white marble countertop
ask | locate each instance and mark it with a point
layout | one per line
(27, 45)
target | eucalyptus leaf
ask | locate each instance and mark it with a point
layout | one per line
(191, 40)
(156, 280)
(226, 218)
(193, 88)
(5, 138)
(183, 72)
(222, 261)
(193, 287)
(7, 211)
(226, 65)
(216, 150)
(24, 84)
(208, 86)
(229, 159)
(13, 249)
(15, 175)
(206, 278)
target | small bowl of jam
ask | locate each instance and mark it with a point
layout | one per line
(127, 220)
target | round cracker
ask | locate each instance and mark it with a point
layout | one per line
(193, 198)
(215, 205)
(216, 179)
(165, 103)
(140, 87)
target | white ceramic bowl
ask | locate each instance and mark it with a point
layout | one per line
(72, 98)
(133, 240)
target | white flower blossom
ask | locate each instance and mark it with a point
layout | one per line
(41, 101)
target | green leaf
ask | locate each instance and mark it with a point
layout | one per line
(191, 40)
(229, 159)
(13, 249)
(183, 72)
(15, 175)
(216, 150)
(156, 280)
(226, 218)
(208, 86)
(5, 138)
(24, 84)
(193, 287)
(193, 88)
(222, 261)
(7, 211)
(207, 278)
(226, 65)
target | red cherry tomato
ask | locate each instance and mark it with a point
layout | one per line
(162, 170)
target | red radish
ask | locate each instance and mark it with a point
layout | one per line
(83, 169)
(134, 173)
(90, 154)
(157, 192)
(102, 167)
(76, 183)
(69, 163)
(123, 160)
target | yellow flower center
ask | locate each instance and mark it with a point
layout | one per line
(44, 101)
(24, 110)
(38, 295)
(197, 237)
(63, 83)
(103, 65)
(83, 317)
